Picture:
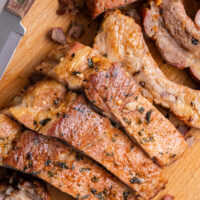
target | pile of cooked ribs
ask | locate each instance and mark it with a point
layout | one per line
(89, 128)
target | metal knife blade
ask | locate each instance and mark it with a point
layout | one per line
(11, 32)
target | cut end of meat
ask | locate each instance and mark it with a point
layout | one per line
(97, 7)
(15, 185)
(45, 99)
(9, 131)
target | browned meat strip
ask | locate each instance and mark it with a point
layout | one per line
(65, 169)
(169, 48)
(71, 119)
(96, 7)
(85, 62)
(62, 167)
(182, 28)
(17, 186)
(121, 39)
(9, 131)
(139, 118)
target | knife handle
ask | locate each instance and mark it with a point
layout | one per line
(19, 7)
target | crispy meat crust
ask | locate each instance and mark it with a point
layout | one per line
(139, 118)
(64, 168)
(96, 7)
(122, 40)
(15, 185)
(94, 135)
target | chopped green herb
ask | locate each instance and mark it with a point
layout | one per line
(107, 75)
(45, 121)
(30, 164)
(127, 121)
(194, 41)
(85, 197)
(95, 179)
(75, 73)
(85, 169)
(50, 174)
(73, 55)
(115, 73)
(105, 55)
(56, 101)
(93, 191)
(135, 180)
(139, 121)
(80, 110)
(90, 63)
(148, 116)
(141, 109)
(113, 139)
(126, 195)
(173, 156)
(62, 165)
(140, 133)
(100, 196)
(128, 95)
(142, 83)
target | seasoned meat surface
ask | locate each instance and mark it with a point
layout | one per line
(64, 168)
(17, 186)
(155, 28)
(182, 28)
(121, 39)
(9, 131)
(96, 7)
(139, 118)
(89, 132)
(86, 62)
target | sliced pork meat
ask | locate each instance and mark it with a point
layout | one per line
(182, 28)
(170, 49)
(121, 39)
(71, 119)
(140, 119)
(64, 168)
(96, 7)
(86, 62)
(17, 186)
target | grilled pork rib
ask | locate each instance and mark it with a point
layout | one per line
(62, 167)
(96, 7)
(121, 39)
(156, 29)
(75, 69)
(139, 118)
(17, 186)
(69, 118)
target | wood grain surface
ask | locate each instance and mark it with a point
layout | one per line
(184, 175)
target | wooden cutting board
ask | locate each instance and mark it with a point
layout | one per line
(184, 175)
